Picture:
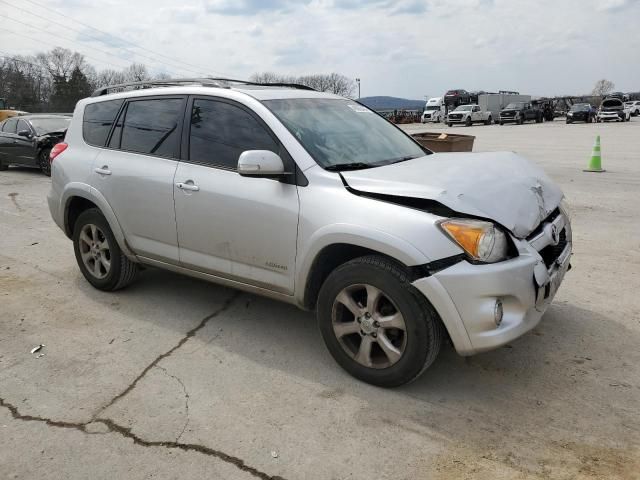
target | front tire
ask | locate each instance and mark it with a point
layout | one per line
(43, 161)
(450, 125)
(375, 324)
(3, 168)
(98, 254)
(468, 122)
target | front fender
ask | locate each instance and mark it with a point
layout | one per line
(76, 189)
(356, 235)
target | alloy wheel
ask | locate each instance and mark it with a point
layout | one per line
(95, 251)
(369, 326)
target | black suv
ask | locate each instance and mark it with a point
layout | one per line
(520, 112)
(581, 112)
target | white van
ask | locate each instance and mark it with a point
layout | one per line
(433, 110)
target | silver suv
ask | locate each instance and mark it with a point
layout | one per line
(315, 200)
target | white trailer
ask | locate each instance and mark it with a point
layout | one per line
(494, 102)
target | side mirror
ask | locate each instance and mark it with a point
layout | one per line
(24, 133)
(260, 163)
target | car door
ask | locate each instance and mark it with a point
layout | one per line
(240, 228)
(25, 146)
(8, 141)
(135, 174)
(475, 114)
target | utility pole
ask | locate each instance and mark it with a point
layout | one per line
(358, 82)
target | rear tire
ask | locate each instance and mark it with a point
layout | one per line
(3, 168)
(377, 288)
(488, 121)
(98, 254)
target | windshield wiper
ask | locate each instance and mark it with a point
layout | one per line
(340, 167)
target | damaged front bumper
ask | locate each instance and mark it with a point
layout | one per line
(466, 296)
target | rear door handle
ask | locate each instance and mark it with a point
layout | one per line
(104, 170)
(188, 185)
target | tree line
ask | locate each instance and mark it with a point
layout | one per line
(54, 81)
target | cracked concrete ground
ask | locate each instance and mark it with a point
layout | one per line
(177, 378)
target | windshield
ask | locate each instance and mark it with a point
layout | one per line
(464, 108)
(46, 125)
(341, 132)
(579, 108)
(515, 106)
(432, 107)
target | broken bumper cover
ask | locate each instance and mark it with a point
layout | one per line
(465, 296)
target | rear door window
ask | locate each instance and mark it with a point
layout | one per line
(10, 126)
(220, 132)
(97, 121)
(152, 126)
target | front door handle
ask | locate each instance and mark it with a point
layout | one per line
(188, 185)
(104, 170)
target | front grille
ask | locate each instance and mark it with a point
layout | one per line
(455, 116)
(508, 114)
(550, 253)
(552, 216)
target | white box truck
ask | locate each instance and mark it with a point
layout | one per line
(494, 102)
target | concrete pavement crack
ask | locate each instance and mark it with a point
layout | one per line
(126, 433)
(227, 303)
(186, 400)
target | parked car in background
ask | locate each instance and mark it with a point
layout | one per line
(311, 199)
(633, 107)
(581, 112)
(433, 111)
(454, 98)
(27, 140)
(468, 115)
(612, 109)
(520, 112)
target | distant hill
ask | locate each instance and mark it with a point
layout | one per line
(392, 103)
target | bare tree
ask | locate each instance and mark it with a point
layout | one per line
(60, 62)
(333, 83)
(270, 77)
(136, 72)
(110, 77)
(603, 87)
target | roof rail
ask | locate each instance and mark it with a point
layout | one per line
(205, 82)
(156, 83)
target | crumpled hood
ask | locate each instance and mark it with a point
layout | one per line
(501, 186)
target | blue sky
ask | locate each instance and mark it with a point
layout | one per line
(408, 48)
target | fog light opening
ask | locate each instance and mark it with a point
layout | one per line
(498, 312)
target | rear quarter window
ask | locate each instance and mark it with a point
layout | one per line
(97, 121)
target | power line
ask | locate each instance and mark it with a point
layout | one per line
(101, 40)
(120, 38)
(6, 30)
(62, 37)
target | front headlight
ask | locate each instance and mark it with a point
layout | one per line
(482, 241)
